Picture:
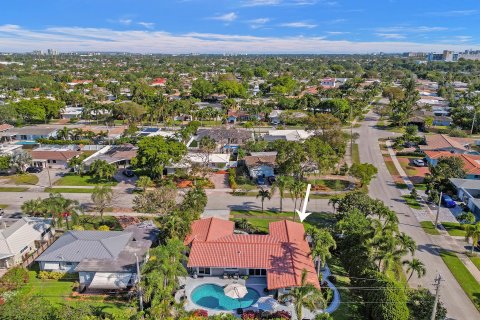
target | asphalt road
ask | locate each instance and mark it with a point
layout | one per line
(383, 187)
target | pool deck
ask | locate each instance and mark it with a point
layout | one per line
(259, 284)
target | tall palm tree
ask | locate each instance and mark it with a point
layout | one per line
(334, 201)
(407, 243)
(296, 188)
(282, 183)
(472, 232)
(33, 207)
(102, 197)
(63, 133)
(305, 296)
(415, 265)
(264, 194)
(322, 243)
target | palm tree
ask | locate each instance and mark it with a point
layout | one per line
(101, 169)
(60, 208)
(102, 197)
(144, 182)
(264, 194)
(415, 265)
(407, 243)
(63, 133)
(305, 296)
(334, 201)
(472, 232)
(296, 188)
(33, 207)
(282, 183)
(322, 243)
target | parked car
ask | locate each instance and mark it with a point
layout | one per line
(128, 173)
(271, 179)
(419, 163)
(34, 169)
(448, 201)
(261, 181)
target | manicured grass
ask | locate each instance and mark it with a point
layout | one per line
(429, 228)
(463, 276)
(13, 189)
(454, 228)
(69, 190)
(85, 180)
(27, 178)
(412, 202)
(476, 261)
(420, 186)
(391, 168)
(3, 206)
(355, 153)
(258, 213)
(401, 185)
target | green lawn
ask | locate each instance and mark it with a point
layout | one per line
(26, 178)
(69, 190)
(401, 185)
(476, 261)
(454, 228)
(429, 228)
(3, 206)
(93, 222)
(412, 202)
(355, 153)
(59, 292)
(86, 180)
(391, 168)
(13, 189)
(463, 276)
(420, 186)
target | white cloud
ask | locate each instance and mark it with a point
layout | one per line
(14, 38)
(394, 36)
(410, 29)
(148, 25)
(258, 23)
(265, 3)
(298, 24)
(334, 33)
(227, 17)
(258, 3)
(454, 13)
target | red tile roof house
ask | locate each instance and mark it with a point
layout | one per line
(471, 162)
(442, 142)
(280, 257)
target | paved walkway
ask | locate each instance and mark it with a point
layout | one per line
(335, 304)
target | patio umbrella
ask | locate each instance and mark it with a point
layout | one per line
(266, 303)
(235, 290)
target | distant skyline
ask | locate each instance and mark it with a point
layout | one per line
(240, 26)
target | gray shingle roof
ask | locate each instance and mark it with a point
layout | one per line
(75, 246)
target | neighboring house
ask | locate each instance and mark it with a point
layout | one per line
(226, 138)
(442, 121)
(216, 161)
(32, 133)
(471, 162)
(443, 142)
(234, 116)
(21, 238)
(328, 83)
(158, 82)
(469, 192)
(70, 112)
(261, 164)
(280, 256)
(103, 259)
(119, 155)
(288, 135)
(53, 158)
(274, 116)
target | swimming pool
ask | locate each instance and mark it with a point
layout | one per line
(211, 296)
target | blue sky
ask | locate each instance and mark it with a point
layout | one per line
(241, 26)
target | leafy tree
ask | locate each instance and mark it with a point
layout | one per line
(5, 162)
(339, 108)
(161, 200)
(27, 307)
(201, 88)
(446, 168)
(154, 153)
(21, 160)
(415, 266)
(472, 231)
(264, 194)
(320, 154)
(420, 303)
(101, 169)
(305, 296)
(390, 300)
(364, 172)
(102, 197)
(144, 182)
(467, 218)
(193, 203)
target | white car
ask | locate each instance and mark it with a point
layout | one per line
(419, 162)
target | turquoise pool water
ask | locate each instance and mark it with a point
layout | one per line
(211, 296)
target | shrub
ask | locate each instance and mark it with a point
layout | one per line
(13, 279)
(103, 228)
(200, 313)
(53, 275)
(250, 315)
(281, 315)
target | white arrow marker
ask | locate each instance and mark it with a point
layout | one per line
(302, 214)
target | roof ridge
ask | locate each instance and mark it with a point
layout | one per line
(115, 236)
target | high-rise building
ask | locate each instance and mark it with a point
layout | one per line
(52, 52)
(446, 55)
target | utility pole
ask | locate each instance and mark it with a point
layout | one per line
(473, 122)
(438, 280)
(139, 290)
(48, 171)
(438, 208)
